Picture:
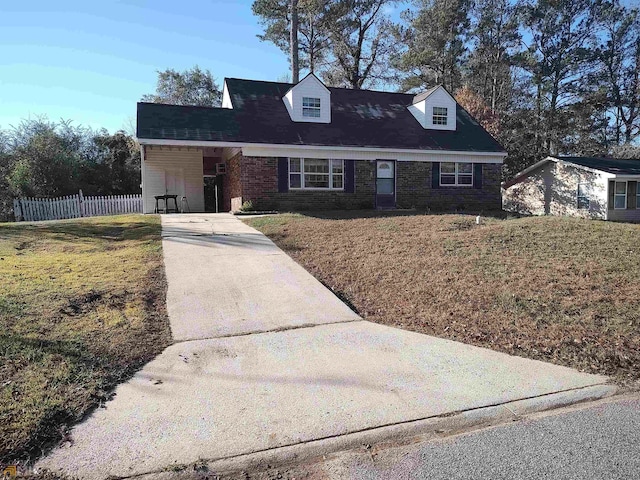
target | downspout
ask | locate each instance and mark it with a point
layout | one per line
(606, 196)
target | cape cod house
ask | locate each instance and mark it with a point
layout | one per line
(308, 146)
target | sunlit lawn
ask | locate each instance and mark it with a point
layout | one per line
(81, 309)
(562, 290)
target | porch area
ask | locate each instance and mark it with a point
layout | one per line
(197, 177)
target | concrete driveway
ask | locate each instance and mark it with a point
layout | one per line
(226, 278)
(269, 363)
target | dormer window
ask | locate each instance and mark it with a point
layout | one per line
(435, 109)
(311, 107)
(439, 115)
(309, 101)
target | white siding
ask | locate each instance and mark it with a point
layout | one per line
(552, 189)
(172, 168)
(423, 111)
(310, 86)
(626, 215)
(226, 98)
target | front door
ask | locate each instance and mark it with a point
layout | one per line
(213, 193)
(385, 184)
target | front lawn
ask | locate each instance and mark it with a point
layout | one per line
(561, 290)
(81, 309)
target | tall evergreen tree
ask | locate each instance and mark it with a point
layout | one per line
(618, 53)
(434, 39)
(294, 48)
(311, 35)
(495, 37)
(557, 60)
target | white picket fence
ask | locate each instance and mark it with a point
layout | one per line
(74, 206)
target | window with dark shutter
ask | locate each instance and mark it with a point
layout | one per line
(477, 175)
(435, 175)
(283, 174)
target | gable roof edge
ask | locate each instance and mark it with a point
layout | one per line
(310, 74)
(583, 167)
(551, 158)
(420, 97)
(527, 171)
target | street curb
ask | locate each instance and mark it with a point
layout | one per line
(406, 432)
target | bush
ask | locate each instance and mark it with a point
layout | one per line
(247, 206)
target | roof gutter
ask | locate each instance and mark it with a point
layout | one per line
(197, 143)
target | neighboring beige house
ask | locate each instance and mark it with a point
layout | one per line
(600, 188)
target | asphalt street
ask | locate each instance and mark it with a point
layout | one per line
(599, 442)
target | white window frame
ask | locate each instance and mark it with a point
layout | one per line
(626, 192)
(331, 174)
(587, 196)
(311, 105)
(440, 118)
(456, 175)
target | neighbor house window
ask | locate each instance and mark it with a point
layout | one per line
(583, 196)
(638, 195)
(620, 196)
(456, 173)
(316, 173)
(311, 107)
(439, 115)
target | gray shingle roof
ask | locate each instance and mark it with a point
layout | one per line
(359, 118)
(421, 96)
(618, 166)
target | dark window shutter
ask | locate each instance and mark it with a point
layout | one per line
(283, 174)
(631, 194)
(612, 187)
(435, 175)
(477, 175)
(349, 176)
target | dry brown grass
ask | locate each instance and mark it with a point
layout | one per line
(555, 289)
(82, 307)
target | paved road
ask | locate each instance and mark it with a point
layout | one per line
(593, 442)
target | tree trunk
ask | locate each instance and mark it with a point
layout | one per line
(293, 43)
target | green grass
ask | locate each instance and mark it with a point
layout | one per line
(562, 290)
(82, 307)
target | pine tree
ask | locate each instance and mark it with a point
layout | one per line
(434, 40)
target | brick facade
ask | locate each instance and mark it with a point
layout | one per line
(362, 198)
(232, 187)
(258, 179)
(413, 187)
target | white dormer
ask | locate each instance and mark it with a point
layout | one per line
(309, 101)
(435, 109)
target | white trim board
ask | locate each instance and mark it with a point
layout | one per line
(371, 154)
(347, 153)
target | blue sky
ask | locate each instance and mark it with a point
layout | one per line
(91, 61)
